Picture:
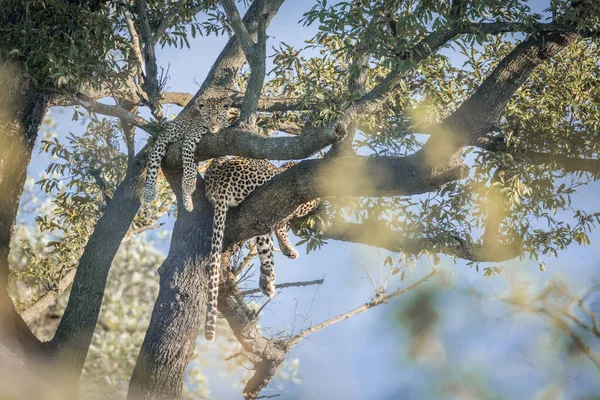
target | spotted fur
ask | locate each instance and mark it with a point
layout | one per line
(228, 182)
(205, 115)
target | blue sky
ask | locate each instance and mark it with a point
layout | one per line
(366, 357)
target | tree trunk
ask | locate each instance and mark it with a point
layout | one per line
(76, 329)
(181, 304)
(21, 113)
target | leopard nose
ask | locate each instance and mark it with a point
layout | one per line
(214, 127)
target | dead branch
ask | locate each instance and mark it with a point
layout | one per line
(378, 300)
(285, 285)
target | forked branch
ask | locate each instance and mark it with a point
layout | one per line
(255, 53)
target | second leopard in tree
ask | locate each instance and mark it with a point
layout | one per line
(228, 182)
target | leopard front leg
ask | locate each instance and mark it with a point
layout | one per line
(190, 169)
(158, 151)
(264, 246)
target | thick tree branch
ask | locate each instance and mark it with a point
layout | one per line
(150, 84)
(235, 22)
(225, 69)
(50, 297)
(551, 160)
(181, 301)
(359, 73)
(350, 176)
(255, 53)
(480, 112)
(378, 300)
(21, 114)
(560, 161)
(378, 234)
(74, 333)
(248, 144)
(425, 48)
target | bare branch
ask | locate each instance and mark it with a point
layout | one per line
(49, 297)
(133, 232)
(555, 319)
(285, 285)
(378, 300)
(113, 111)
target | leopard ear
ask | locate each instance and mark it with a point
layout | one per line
(227, 102)
(199, 102)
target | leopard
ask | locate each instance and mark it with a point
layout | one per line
(205, 115)
(228, 182)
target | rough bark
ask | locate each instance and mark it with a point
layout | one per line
(21, 113)
(170, 339)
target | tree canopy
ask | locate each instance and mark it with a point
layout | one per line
(430, 129)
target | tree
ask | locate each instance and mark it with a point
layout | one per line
(414, 154)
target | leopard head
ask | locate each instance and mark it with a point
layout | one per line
(213, 112)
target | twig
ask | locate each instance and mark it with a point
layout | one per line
(374, 303)
(286, 285)
(364, 268)
(571, 333)
(135, 232)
